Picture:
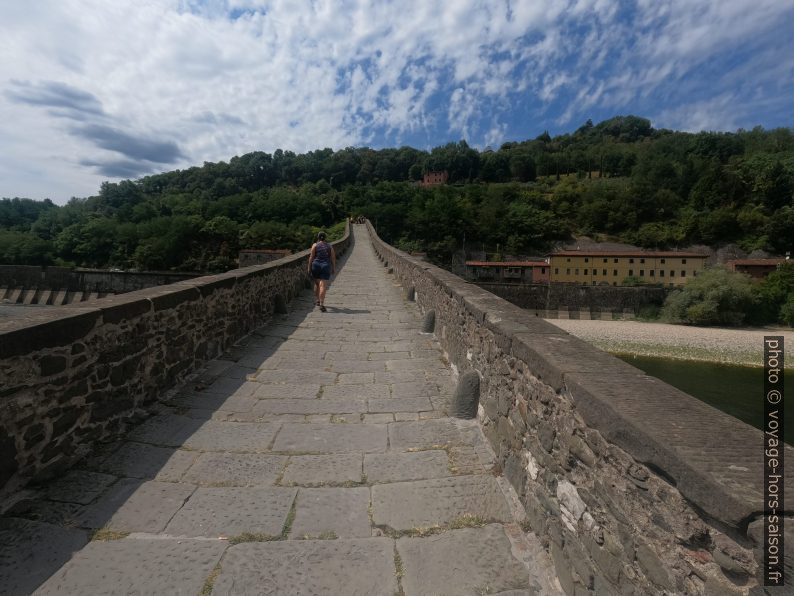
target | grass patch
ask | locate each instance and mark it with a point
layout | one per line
(399, 568)
(324, 535)
(209, 583)
(290, 519)
(399, 571)
(443, 446)
(252, 537)
(464, 521)
(467, 521)
(106, 535)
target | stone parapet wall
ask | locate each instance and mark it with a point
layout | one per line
(633, 486)
(72, 375)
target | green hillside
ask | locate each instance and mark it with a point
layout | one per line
(619, 179)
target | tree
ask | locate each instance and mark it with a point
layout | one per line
(715, 297)
(773, 293)
(787, 311)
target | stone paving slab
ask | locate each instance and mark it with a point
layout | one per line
(408, 505)
(56, 513)
(349, 366)
(414, 389)
(214, 435)
(280, 391)
(138, 460)
(235, 469)
(415, 376)
(346, 357)
(425, 434)
(358, 567)
(302, 362)
(212, 370)
(326, 405)
(405, 404)
(353, 391)
(390, 355)
(331, 438)
(356, 378)
(214, 512)
(214, 401)
(170, 430)
(420, 364)
(397, 467)
(79, 486)
(137, 566)
(302, 377)
(469, 561)
(32, 551)
(238, 372)
(343, 512)
(135, 506)
(230, 387)
(378, 418)
(464, 460)
(314, 470)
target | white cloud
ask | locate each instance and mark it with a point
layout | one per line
(211, 79)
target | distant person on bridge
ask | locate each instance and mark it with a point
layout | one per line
(322, 264)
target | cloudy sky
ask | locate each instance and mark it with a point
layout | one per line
(94, 90)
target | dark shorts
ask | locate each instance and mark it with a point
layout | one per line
(321, 270)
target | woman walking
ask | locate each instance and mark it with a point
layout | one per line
(322, 264)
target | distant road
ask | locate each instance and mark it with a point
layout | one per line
(711, 344)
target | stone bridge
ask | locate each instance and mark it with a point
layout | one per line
(221, 435)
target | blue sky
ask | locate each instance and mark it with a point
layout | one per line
(92, 90)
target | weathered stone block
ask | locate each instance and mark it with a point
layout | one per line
(52, 365)
(655, 569)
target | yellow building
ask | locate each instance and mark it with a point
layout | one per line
(593, 268)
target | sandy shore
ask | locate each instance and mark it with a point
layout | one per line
(731, 346)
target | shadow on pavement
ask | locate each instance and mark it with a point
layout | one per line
(69, 530)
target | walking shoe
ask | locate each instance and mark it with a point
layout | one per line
(322, 308)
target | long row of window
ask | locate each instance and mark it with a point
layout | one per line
(631, 260)
(651, 272)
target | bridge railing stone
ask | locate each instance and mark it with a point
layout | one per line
(632, 485)
(73, 375)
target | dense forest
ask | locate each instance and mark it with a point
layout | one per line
(618, 180)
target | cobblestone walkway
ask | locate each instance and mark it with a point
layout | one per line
(314, 458)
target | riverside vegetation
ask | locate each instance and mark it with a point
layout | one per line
(620, 180)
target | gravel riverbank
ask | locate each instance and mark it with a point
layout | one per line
(730, 346)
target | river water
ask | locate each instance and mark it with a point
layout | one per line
(736, 390)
